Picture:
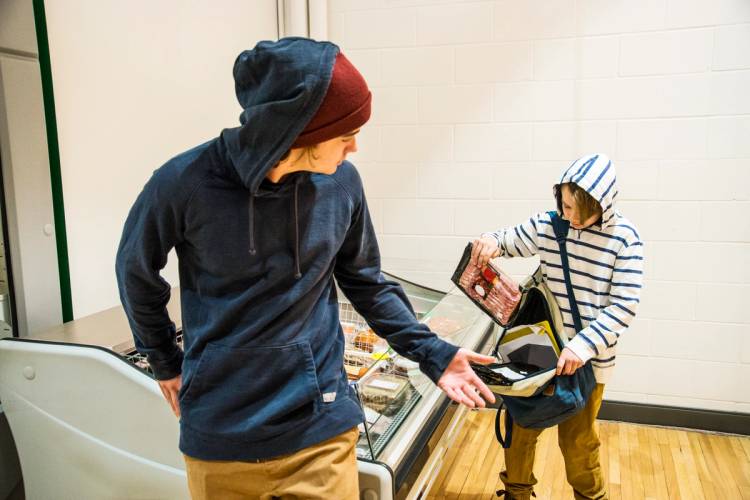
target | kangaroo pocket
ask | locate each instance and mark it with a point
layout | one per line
(251, 394)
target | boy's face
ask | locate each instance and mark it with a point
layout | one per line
(570, 211)
(332, 153)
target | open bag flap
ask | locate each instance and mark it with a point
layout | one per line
(526, 387)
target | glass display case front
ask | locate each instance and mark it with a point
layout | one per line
(401, 405)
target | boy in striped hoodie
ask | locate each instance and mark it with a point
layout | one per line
(606, 269)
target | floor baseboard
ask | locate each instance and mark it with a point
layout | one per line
(671, 416)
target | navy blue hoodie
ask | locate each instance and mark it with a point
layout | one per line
(257, 262)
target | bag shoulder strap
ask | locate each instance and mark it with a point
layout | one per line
(561, 228)
(504, 442)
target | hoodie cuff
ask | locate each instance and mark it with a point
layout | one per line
(493, 236)
(581, 348)
(441, 354)
(166, 369)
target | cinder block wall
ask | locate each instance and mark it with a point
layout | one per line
(479, 105)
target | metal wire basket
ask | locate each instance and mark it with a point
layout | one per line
(362, 348)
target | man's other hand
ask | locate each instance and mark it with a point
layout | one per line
(171, 388)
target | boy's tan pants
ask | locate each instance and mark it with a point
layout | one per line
(579, 444)
(324, 471)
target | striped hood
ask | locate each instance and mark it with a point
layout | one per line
(595, 174)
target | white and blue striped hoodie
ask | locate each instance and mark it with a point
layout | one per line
(606, 265)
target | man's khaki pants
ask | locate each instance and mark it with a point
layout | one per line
(579, 444)
(324, 471)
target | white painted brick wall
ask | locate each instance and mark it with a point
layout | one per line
(687, 13)
(504, 62)
(455, 180)
(554, 100)
(686, 180)
(514, 102)
(379, 28)
(398, 106)
(412, 143)
(554, 141)
(555, 59)
(595, 17)
(729, 93)
(676, 221)
(493, 142)
(687, 340)
(521, 20)
(643, 97)
(637, 180)
(426, 217)
(423, 66)
(731, 48)
(454, 24)
(479, 106)
(639, 339)
(727, 303)
(678, 138)
(461, 104)
(665, 52)
(721, 262)
(599, 56)
(513, 182)
(389, 180)
(727, 137)
(725, 221)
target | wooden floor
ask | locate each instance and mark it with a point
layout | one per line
(639, 462)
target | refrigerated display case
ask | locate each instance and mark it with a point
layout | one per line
(89, 421)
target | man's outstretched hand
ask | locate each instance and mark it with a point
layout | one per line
(461, 384)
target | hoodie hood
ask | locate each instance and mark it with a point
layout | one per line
(280, 86)
(595, 173)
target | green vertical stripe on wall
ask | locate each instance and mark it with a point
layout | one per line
(40, 20)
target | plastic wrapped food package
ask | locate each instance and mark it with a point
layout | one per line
(490, 288)
(403, 366)
(383, 391)
(356, 363)
(348, 328)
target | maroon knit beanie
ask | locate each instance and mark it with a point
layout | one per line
(345, 107)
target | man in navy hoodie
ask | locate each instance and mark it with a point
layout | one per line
(263, 218)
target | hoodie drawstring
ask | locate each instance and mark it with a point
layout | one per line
(251, 219)
(297, 273)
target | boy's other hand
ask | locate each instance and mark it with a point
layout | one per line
(568, 363)
(484, 249)
(461, 384)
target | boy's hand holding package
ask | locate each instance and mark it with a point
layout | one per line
(483, 250)
(486, 285)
